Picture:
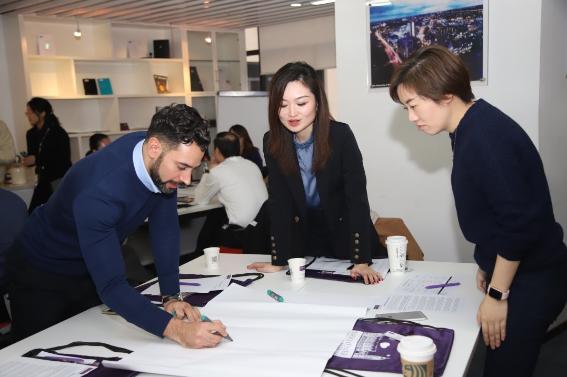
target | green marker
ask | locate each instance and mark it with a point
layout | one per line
(275, 296)
(204, 318)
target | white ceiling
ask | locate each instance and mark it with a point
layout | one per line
(230, 14)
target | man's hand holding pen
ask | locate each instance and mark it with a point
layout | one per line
(187, 329)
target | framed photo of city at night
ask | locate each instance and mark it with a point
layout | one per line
(400, 27)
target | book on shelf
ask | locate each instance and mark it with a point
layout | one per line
(104, 86)
(196, 84)
(161, 84)
(89, 85)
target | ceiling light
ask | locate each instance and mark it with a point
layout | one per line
(295, 4)
(77, 33)
(322, 2)
(208, 40)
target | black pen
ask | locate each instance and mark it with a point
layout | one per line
(444, 285)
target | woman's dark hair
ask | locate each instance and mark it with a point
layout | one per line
(433, 72)
(227, 144)
(240, 131)
(40, 105)
(179, 124)
(280, 143)
(94, 142)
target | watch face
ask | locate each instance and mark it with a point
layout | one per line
(494, 293)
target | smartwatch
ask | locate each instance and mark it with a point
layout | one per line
(496, 294)
(178, 297)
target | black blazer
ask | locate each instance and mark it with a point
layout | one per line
(342, 190)
(52, 151)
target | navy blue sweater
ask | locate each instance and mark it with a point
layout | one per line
(501, 192)
(80, 230)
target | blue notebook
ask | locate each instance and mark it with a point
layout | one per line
(104, 86)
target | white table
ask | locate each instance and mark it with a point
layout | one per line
(92, 325)
(25, 190)
(194, 208)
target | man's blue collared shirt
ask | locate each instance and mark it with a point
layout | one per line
(141, 172)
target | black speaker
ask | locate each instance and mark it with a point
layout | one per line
(161, 48)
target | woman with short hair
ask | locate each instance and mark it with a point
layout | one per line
(503, 206)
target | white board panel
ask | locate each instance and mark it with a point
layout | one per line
(249, 109)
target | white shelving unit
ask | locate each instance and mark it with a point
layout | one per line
(122, 53)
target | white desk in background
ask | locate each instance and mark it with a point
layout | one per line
(92, 325)
(194, 208)
(25, 190)
(191, 220)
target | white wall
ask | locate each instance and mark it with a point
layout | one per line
(312, 41)
(331, 90)
(6, 113)
(553, 102)
(409, 172)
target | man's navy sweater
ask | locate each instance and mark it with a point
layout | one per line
(501, 192)
(80, 230)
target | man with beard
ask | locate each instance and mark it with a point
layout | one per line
(69, 257)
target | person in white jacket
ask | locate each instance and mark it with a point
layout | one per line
(239, 186)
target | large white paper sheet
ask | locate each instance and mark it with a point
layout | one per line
(270, 339)
(297, 295)
(202, 285)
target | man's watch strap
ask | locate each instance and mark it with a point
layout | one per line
(178, 297)
(497, 294)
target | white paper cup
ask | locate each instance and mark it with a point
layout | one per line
(417, 355)
(297, 269)
(397, 253)
(212, 257)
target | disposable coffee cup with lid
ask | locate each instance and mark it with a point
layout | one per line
(417, 355)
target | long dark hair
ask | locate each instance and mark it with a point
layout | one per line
(40, 105)
(240, 131)
(280, 143)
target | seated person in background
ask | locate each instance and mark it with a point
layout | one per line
(318, 204)
(247, 148)
(241, 189)
(69, 255)
(96, 142)
(48, 149)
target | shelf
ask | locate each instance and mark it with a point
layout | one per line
(203, 94)
(49, 57)
(120, 52)
(74, 98)
(126, 60)
(151, 95)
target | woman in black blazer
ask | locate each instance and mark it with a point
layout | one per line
(317, 185)
(48, 149)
